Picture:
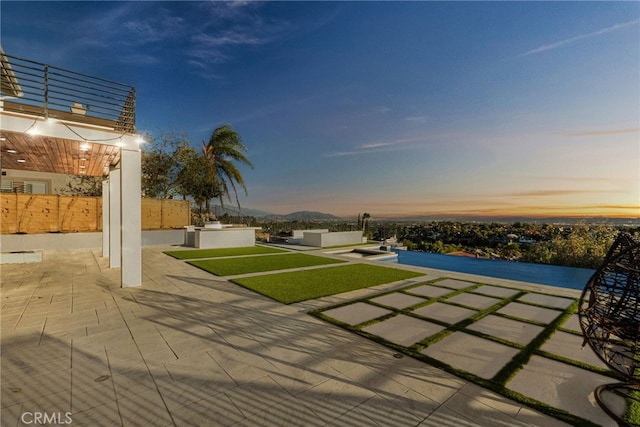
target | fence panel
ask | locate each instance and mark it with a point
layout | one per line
(9, 218)
(78, 214)
(38, 213)
(175, 213)
(151, 214)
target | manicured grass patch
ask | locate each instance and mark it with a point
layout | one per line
(299, 286)
(633, 408)
(254, 264)
(216, 253)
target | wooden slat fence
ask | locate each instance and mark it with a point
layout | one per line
(38, 213)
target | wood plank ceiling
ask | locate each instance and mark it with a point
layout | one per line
(64, 156)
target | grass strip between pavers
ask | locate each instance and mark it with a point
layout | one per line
(303, 285)
(222, 252)
(256, 264)
(497, 383)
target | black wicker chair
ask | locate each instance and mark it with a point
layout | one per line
(610, 318)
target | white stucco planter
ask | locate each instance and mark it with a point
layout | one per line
(208, 238)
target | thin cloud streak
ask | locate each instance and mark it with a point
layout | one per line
(378, 147)
(556, 193)
(570, 40)
(390, 143)
(603, 132)
(354, 153)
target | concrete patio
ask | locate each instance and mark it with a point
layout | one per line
(190, 348)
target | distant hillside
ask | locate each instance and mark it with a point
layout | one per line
(309, 215)
(321, 216)
(233, 211)
(294, 216)
(511, 219)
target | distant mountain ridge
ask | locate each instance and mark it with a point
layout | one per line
(309, 215)
(294, 216)
(322, 216)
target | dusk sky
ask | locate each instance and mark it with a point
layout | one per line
(391, 108)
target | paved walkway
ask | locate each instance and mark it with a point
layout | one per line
(189, 348)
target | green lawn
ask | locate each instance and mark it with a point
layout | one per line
(299, 286)
(254, 264)
(224, 252)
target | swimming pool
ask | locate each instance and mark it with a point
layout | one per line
(554, 275)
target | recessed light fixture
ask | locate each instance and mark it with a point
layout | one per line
(83, 158)
(12, 151)
(84, 147)
(21, 161)
(82, 166)
(2, 138)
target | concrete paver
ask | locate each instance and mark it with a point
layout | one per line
(570, 346)
(469, 353)
(357, 313)
(496, 291)
(547, 300)
(474, 301)
(454, 284)
(404, 330)
(563, 386)
(510, 330)
(445, 312)
(398, 300)
(572, 324)
(529, 312)
(430, 291)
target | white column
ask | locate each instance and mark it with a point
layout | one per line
(131, 217)
(105, 218)
(114, 219)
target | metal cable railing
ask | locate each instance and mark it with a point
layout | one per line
(52, 92)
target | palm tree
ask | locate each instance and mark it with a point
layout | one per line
(224, 149)
(365, 221)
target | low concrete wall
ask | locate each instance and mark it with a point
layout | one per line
(66, 241)
(323, 240)
(162, 237)
(225, 237)
(50, 241)
(299, 234)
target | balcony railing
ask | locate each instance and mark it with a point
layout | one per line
(42, 90)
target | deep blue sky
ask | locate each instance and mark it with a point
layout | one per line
(383, 107)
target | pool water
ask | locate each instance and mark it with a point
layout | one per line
(554, 275)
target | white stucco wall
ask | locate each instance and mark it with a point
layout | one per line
(299, 234)
(55, 181)
(322, 240)
(225, 237)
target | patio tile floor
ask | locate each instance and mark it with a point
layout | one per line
(189, 348)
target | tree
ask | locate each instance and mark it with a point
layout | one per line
(197, 179)
(162, 160)
(584, 246)
(511, 251)
(541, 253)
(82, 185)
(223, 151)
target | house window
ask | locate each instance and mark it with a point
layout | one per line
(36, 187)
